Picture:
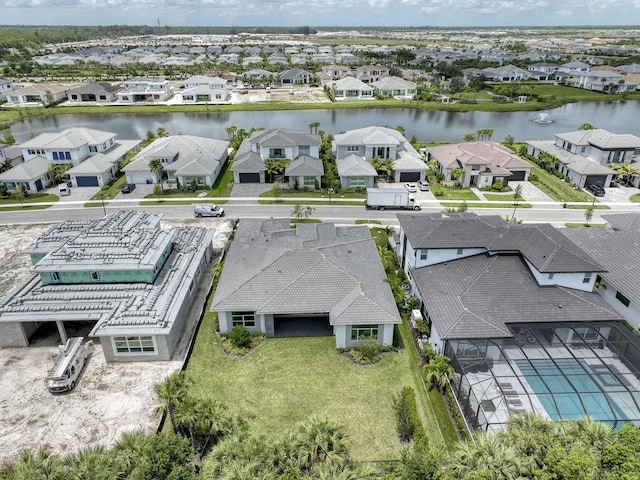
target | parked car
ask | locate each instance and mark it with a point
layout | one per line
(597, 190)
(207, 211)
(424, 185)
(128, 187)
(411, 187)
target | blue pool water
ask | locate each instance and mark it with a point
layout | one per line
(568, 388)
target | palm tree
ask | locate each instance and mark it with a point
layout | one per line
(517, 195)
(590, 432)
(320, 440)
(469, 137)
(170, 392)
(94, 463)
(231, 130)
(129, 449)
(438, 371)
(624, 171)
(489, 458)
(156, 168)
(532, 435)
(313, 127)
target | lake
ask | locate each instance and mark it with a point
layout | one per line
(426, 125)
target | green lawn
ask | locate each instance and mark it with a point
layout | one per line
(32, 198)
(111, 191)
(556, 188)
(635, 198)
(591, 225)
(485, 205)
(457, 194)
(285, 380)
(291, 193)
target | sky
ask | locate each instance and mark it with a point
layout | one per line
(365, 13)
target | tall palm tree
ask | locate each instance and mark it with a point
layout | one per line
(170, 392)
(313, 127)
(438, 371)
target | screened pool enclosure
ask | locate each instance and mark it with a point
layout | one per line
(560, 370)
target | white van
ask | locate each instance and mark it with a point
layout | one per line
(64, 189)
(72, 358)
(207, 211)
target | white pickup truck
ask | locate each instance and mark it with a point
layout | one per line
(71, 359)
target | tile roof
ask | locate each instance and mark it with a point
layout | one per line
(282, 137)
(271, 268)
(601, 138)
(616, 251)
(477, 153)
(68, 138)
(577, 163)
(305, 165)
(26, 171)
(478, 296)
(355, 166)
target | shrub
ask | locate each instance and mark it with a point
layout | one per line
(240, 337)
(497, 187)
(533, 178)
(422, 327)
(428, 353)
(437, 190)
(408, 422)
(367, 351)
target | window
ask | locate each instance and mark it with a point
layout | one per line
(357, 181)
(424, 253)
(622, 299)
(309, 181)
(134, 345)
(353, 148)
(550, 276)
(125, 98)
(585, 333)
(364, 332)
(93, 148)
(583, 149)
(248, 319)
(95, 276)
(55, 277)
(459, 251)
(587, 278)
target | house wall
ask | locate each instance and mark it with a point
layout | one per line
(162, 352)
(434, 255)
(345, 182)
(115, 276)
(236, 176)
(343, 335)
(436, 341)
(570, 280)
(16, 334)
(631, 313)
(300, 180)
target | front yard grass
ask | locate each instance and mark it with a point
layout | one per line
(292, 193)
(556, 188)
(31, 198)
(457, 194)
(635, 198)
(285, 380)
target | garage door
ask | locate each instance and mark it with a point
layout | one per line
(517, 176)
(87, 181)
(409, 176)
(249, 178)
(595, 180)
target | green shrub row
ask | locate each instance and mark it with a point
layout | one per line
(455, 411)
(408, 421)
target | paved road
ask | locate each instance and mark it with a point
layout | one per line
(337, 213)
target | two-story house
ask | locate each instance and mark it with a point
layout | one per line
(584, 154)
(145, 90)
(371, 73)
(512, 306)
(133, 281)
(355, 150)
(481, 164)
(299, 151)
(93, 155)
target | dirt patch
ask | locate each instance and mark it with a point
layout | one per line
(110, 398)
(294, 95)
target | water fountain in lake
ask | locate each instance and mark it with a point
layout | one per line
(543, 117)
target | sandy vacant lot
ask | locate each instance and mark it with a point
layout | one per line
(109, 399)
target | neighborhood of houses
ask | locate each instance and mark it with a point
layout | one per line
(531, 316)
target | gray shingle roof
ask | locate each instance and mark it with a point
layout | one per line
(355, 166)
(577, 163)
(305, 165)
(601, 138)
(477, 153)
(271, 268)
(282, 137)
(617, 251)
(478, 296)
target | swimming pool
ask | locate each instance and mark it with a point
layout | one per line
(570, 388)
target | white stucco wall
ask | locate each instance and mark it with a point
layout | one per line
(631, 313)
(569, 280)
(436, 341)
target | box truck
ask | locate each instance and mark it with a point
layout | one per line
(71, 359)
(382, 198)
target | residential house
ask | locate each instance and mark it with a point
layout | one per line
(93, 155)
(371, 73)
(506, 73)
(10, 154)
(314, 280)
(513, 307)
(252, 59)
(574, 67)
(94, 92)
(185, 160)
(204, 94)
(337, 71)
(546, 67)
(355, 171)
(295, 76)
(133, 281)
(584, 154)
(258, 74)
(601, 81)
(618, 285)
(381, 143)
(216, 83)
(6, 86)
(350, 88)
(278, 144)
(395, 87)
(146, 90)
(482, 164)
(37, 94)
